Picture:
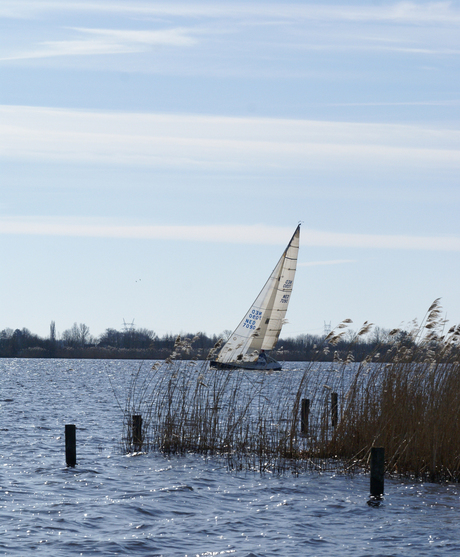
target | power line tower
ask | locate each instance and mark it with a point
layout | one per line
(128, 327)
(327, 328)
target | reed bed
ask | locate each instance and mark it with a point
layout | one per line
(190, 407)
(409, 404)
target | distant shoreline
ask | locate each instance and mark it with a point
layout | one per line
(143, 344)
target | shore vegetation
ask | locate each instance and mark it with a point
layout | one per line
(145, 344)
(406, 400)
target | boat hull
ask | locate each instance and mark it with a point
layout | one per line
(273, 365)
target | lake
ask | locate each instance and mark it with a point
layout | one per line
(151, 505)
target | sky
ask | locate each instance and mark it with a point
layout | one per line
(156, 157)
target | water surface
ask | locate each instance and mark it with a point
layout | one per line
(114, 504)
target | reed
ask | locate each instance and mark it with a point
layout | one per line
(410, 405)
(190, 407)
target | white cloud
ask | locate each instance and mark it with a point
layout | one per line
(239, 234)
(106, 41)
(398, 12)
(402, 27)
(174, 37)
(210, 142)
(72, 48)
(48, 226)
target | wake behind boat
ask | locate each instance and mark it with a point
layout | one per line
(260, 328)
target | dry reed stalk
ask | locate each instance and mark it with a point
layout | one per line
(410, 405)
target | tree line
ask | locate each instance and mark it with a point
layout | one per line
(140, 343)
(78, 342)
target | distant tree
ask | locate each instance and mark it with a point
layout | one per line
(130, 339)
(84, 334)
(6, 333)
(51, 344)
(5, 341)
(53, 331)
(15, 342)
(144, 338)
(70, 337)
(404, 338)
(111, 337)
(380, 335)
(225, 334)
(76, 337)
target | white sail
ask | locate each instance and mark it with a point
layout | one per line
(261, 326)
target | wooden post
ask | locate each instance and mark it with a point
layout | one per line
(377, 472)
(70, 445)
(137, 433)
(334, 409)
(304, 413)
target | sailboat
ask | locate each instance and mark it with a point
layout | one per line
(259, 330)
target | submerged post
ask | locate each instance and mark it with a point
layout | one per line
(334, 409)
(304, 413)
(137, 433)
(377, 472)
(70, 445)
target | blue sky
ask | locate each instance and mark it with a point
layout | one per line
(155, 158)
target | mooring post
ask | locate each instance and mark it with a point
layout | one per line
(137, 433)
(334, 409)
(71, 445)
(377, 472)
(304, 413)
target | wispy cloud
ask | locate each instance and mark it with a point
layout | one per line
(174, 37)
(406, 28)
(239, 234)
(52, 49)
(85, 227)
(105, 41)
(405, 11)
(208, 142)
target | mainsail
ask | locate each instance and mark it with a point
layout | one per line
(261, 326)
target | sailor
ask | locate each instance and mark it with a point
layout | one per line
(262, 357)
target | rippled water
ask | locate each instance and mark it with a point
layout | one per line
(149, 505)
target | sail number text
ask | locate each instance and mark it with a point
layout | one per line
(253, 317)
